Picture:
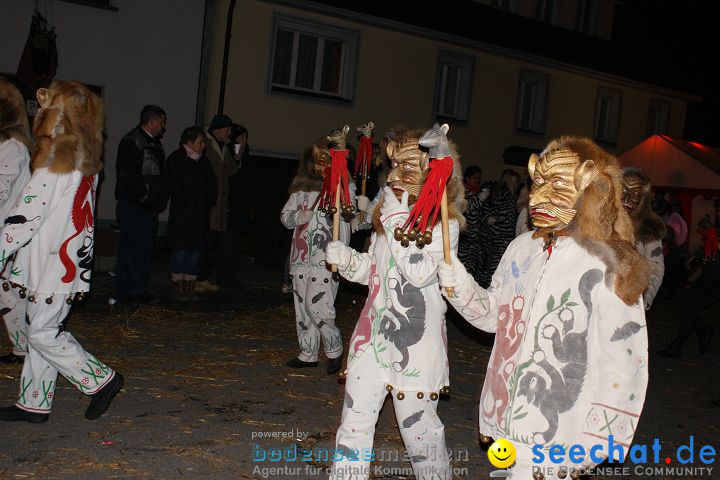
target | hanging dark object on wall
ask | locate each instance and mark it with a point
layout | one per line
(39, 61)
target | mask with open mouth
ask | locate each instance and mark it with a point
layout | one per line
(558, 178)
(409, 168)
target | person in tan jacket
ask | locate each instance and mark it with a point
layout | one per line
(223, 166)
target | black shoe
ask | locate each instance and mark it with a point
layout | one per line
(297, 363)
(147, 298)
(12, 358)
(705, 337)
(100, 401)
(671, 351)
(15, 414)
(334, 365)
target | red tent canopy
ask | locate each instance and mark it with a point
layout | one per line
(676, 163)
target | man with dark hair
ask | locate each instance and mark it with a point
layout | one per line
(142, 193)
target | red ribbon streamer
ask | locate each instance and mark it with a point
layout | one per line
(336, 174)
(364, 155)
(427, 207)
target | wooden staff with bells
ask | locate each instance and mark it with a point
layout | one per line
(364, 157)
(336, 191)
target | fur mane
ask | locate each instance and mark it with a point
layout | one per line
(648, 225)
(601, 224)
(68, 129)
(455, 188)
(13, 117)
(306, 180)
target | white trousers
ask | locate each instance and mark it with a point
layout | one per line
(51, 350)
(420, 427)
(314, 292)
(12, 310)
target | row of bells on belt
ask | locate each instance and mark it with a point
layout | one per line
(420, 239)
(22, 293)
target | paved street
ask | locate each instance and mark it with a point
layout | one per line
(206, 382)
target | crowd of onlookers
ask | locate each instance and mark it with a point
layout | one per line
(207, 182)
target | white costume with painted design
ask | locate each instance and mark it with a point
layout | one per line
(314, 290)
(48, 248)
(14, 175)
(569, 364)
(400, 341)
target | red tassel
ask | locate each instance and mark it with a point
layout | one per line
(335, 174)
(427, 207)
(364, 155)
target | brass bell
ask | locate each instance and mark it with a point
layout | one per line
(562, 473)
(80, 296)
(574, 473)
(538, 476)
(412, 233)
(333, 210)
(485, 439)
(398, 233)
(401, 396)
(420, 241)
(388, 388)
(22, 292)
(420, 395)
(433, 396)
(405, 241)
(69, 300)
(6, 286)
(428, 237)
(445, 390)
(342, 375)
(48, 300)
(351, 208)
(31, 298)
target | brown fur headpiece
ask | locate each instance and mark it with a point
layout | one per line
(601, 224)
(307, 179)
(647, 224)
(13, 117)
(68, 129)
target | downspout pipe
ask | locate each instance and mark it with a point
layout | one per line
(226, 56)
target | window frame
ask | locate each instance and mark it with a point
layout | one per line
(465, 65)
(538, 121)
(652, 118)
(512, 5)
(586, 15)
(349, 40)
(542, 14)
(608, 137)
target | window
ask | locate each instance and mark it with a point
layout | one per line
(531, 102)
(546, 11)
(586, 19)
(105, 4)
(607, 115)
(508, 5)
(312, 59)
(658, 117)
(453, 86)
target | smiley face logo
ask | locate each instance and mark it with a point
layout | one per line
(501, 453)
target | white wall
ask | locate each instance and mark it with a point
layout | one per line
(146, 52)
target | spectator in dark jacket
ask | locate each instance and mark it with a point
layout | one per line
(242, 205)
(193, 192)
(142, 193)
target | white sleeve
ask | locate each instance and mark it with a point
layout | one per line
(358, 270)
(288, 216)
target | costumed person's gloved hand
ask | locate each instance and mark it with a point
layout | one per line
(484, 194)
(391, 206)
(454, 275)
(363, 203)
(304, 216)
(337, 253)
(491, 220)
